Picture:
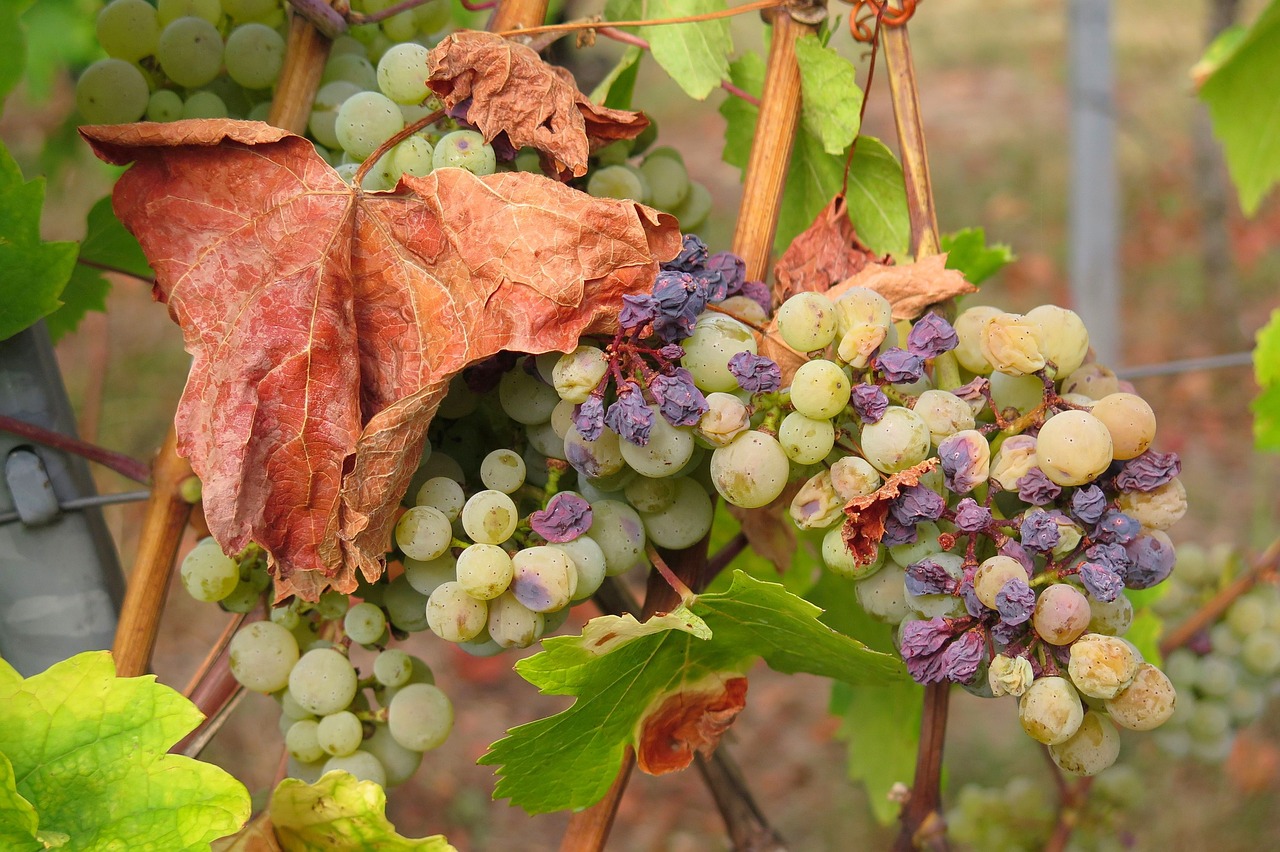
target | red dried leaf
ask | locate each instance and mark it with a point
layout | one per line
(536, 104)
(911, 287)
(325, 322)
(692, 719)
(864, 516)
(825, 253)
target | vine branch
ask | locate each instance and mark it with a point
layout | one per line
(1212, 610)
(122, 464)
(595, 23)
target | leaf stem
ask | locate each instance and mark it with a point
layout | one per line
(354, 17)
(1213, 608)
(106, 267)
(686, 594)
(119, 462)
(395, 140)
(595, 24)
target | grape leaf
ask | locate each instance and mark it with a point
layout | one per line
(821, 256)
(325, 322)
(569, 760)
(695, 55)
(967, 252)
(511, 90)
(1266, 367)
(106, 243)
(1243, 96)
(619, 84)
(88, 750)
(33, 273)
(339, 812)
(13, 46)
(831, 101)
(19, 824)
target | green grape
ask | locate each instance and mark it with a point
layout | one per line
(465, 149)
(164, 105)
(252, 10)
(419, 672)
(512, 624)
(1102, 666)
(621, 182)
(204, 104)
(1092, 380)
(619, 531)
(544, 578)
(399, 762)
(324, 111)
(1110, 619)
(695, 209)
(302, 742)
(944, 413)
(807, 321)
(896, 441)
(332, 605)
(820, 389)
(1012, 344)
(1064, 338)
(715, 340)
(414, 156)
(1021, 393)
(578, 373)
(525, 399)
(991, 576)
(207, 573)
(668, 181)
(364, 623)
(190, 51)
(1246, 704)
(1092, 748)
(752, 471)
(945, 605)
(323, 681)
(544, 440)
(969, 325)
(400, 27)
(926, 544)
(424, 577)
(668, 450)
(261, 655)
(854, 477)
(455, 616)
(685, 521)
(804, 439)
(1148, 702)
(242, 599)
(432, 17)
(646, 494)
(589, 561)
(1247, 616)
(112, 91)
(402, 73)
(490, 517)
(1209, 721)
(1130, 421)
(364, 121)
(339, 733)
(484, 571)
(883, 594)
(392, 667)
(442, 494)
(1073, 448)
(503, 470)
(1260, 653)
(353, 68)
(406, 606)
(424, 533)
(1050, 710)
(596, 459)
(420, 717)
(360, 763)
(286, 616)
(837, 557)
(128, 29)
(169, 11)
(1217, 674)
(254, 55)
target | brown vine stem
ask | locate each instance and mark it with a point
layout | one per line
(677, 585)
(1072, 802)
(725, 555)
(381, 150)
(1212, 610)
(305, 54)
(517, 15)
(595, 24)
(213, 689)
(119, 462)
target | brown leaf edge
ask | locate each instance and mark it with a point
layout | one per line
(692, 719)
(825, 253)
(864, 516)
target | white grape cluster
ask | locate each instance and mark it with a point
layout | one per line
(1226, 675)
(658, 179)
(375, 725)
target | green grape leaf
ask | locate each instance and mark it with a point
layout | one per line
(618, 688)
(967, 251)
(879, 723)
(617, 87)
(1266, 419)
(18, 821)
(13, 45)
(59, 34)
(1243, 96)
(1266, 354)
(33, 273)
(877, 197)
(88, 750)
(106, 244)
(339, 812)
(695, 55)
(1144, 632)
(1266, 368)
(831, 102)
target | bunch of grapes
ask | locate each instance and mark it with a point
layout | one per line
(1225, 675)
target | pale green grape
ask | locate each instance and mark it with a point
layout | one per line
(302, 742)
(944, 413)
(619, 182)
(596, 459)
(484, 571)
(820, 390)
(1110, 619)
(1261, 653)
(252, 10)
(1073, 448)
(695, 209)
(207, 573)
(804, 439)
(668, 450)
(941, 605)
(413, 156)
(455, 616)
(423, 577)
(1092, 380)
(323, 681)
(286, 616)
(883, 594)
(838, 558)
(420, 717)
(204, 104)
(969, 326)
(364, 121)
(324, 111)
(1247, 615)
(364, 623)
(650, 495)
(406, 606)
(577, 374)
(331, 606)
(339, 733)
(1130, 421)
(685, 521)
(392, 667)
(807, 321)
(1148, 702)
(589, 561)
(419, 672)
(1102, 666)
(169, 11)
(402, 73)
(490, 517)
(715, 340)
(1158, 509)
(424, 533)
(526, 399)
(545, 441)
(668, 181)
(128, 29)
(442, 494)
(261, 655)
(926, 544)
(360, 763)
(544, 579)
(1217, 674)
(353, 68)
(1050, 710)
(991, 576)
(112, 91)
(512, 624)
(1021, 393)
(165, 105)
(503, 470)
(896, 441)
(399, 762)
(854, 477)
(1013, 344)
(859, 306)
(752, 471)
(465, 149)
(433, 17)
(190, 51)
(619, 531)
(1092, 748)
(727, 417)
(1065, 339)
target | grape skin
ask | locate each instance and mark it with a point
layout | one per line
(752, 471)
(262, 655)
(128, 29)
(112, 91)
(420, 717)
(254, 55)
(190, 52)
(402, 73)
(322, 681)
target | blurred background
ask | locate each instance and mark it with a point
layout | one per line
(1196, 279)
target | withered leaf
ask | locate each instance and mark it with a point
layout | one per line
(692, 719)
(825, 253)
(864, 516)
(536, 104)
(768, 528)
(325, 322)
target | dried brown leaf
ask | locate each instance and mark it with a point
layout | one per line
(693, 719)
(325, 323)
(512, 90)
(912, 287)
(768, 529)
(825, 253)
(864, 516)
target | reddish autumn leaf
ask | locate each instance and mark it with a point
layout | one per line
(512, 90)
(824, 254)
(325, 322)
(864, 516)
(693, 719)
